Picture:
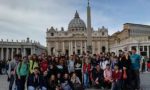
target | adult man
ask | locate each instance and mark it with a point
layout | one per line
(135, 66)
(12, 71)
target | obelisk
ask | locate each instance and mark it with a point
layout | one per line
(89, 29)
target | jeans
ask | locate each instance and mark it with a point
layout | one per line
(21, 83)
(136, 79)
(43, 88)
(86, 80)
(116, 85)
(31, 88)
(11, 82)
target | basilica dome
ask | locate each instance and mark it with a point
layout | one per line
(76, 24)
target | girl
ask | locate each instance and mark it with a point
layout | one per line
(116, 77)
(86, 72)
(76, 82)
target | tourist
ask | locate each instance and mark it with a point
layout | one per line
(66, 83)
(107, 77)
(44, 81)
(33, 62)
(78, 68)
(44, 65)
(86, 72)
(125, 66)
(52, 84)
(71, 63)
(116, 77)
(33, 81)
(12, 71)
(76, 82)
(22, 73)
(98, 77)
(135, 66)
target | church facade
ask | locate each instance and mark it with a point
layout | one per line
(74, 40)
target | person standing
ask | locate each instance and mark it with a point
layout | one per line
(135, 66)
(12, 71)
(22, 73)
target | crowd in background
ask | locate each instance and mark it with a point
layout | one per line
(102, 71)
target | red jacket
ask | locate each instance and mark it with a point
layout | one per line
(116, 75)
(44, 66)
(86, 67)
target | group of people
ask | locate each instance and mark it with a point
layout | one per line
(103, 71)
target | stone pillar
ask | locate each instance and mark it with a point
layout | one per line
(75, 47)
(2, 54)
(56, 49)
(17, 50)
(99, 48)
(81, 48)
(23, 52)
(12, 53)
(71, 48)
(63, 47)
(148, 53)
(85, 48)
(7, 53)
(49, 48)
(93, 48)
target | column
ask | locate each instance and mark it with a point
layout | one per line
(49, 48)
(2, 54)
(17, 51)
(24, 52)
(99, 48)
(75, 47)
(63, 47)
(81, 48)
(93, 48)
(148, 51)
(56, 50)
(85, 48)
(71, 48)
(7, 53)
(12, 53)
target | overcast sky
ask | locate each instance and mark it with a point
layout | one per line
(30, 18)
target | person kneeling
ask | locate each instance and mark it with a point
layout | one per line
(116, 77)
(107, 77)
(97, 77)
(33, 82)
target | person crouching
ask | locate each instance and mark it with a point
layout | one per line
(33, 82)
(116, 77)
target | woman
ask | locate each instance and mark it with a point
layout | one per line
(86, 72)
(44, 65)
(33, 62)
(125, 66)
(22, 72)
(107, 76)
(33, 82)
(116, 77)
(78, 68)
(44, 81)
(52, 83)
(51, 70)
(76, 82)
(71, 63)
(66, 83)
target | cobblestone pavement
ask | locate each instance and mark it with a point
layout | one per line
(145, 82)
